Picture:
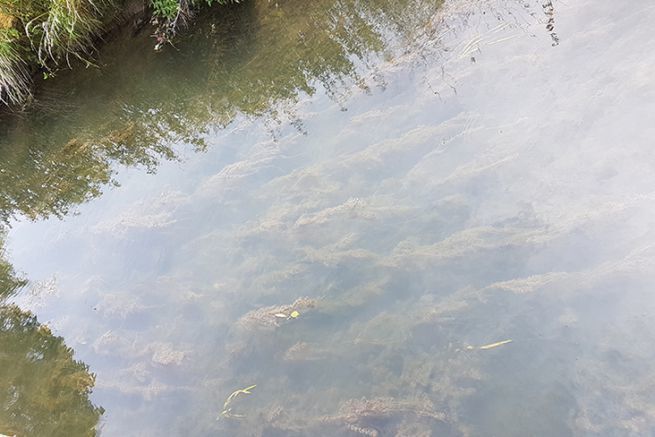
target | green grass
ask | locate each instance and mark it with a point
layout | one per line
(66, 29)
(14, 76)
(47, 35)
(43, 35)
(170, 15)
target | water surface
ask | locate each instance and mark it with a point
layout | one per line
(417, 183)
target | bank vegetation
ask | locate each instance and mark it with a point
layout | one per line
(39, 37)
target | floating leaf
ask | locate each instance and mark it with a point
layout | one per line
(247, 389)
(493, 345)
(227, 410)
(294, 314)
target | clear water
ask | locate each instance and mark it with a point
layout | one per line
(420, 182)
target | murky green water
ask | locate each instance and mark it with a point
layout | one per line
(351, 205)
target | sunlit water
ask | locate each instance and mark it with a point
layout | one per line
(419, 183)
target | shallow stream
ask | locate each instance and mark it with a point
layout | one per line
(393, 218)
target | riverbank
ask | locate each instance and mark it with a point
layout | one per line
(39, 38)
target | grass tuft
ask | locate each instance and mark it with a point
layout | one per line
(46, 35)
(15, 80)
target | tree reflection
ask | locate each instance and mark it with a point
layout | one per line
(45, 391)
(9, 282)
(253, 59)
